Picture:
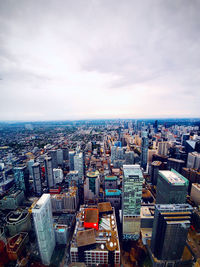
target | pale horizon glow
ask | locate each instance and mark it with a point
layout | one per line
(69, 60)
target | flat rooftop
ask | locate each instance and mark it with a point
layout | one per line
(111, 178)
(104, 207)
(172, 177)
(147, 211)
(132, 170)
(44, 198)
(91, 215)
(112, 192)
(86, 237)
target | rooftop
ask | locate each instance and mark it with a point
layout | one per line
(132, 170)
(86, 237)
(104, 207)
(91, 215)
(147, 211)
(173, 177)
(105, 238)
(112, 192)
(43, 200)
(92, 174)
(110, 178)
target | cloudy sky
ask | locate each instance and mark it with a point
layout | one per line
(84, 59)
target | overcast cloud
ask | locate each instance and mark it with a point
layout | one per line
(99, 59)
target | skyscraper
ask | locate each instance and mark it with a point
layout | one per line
(71, 160)
(170, 228)
(113, 154)
(144, 150)
(49, 172)
(30, 164)
(53, 154)
(156, 126)
(21, 176)
(37, 178)
(65, 153)
(163, 148)
(58, 175)
(43, 222)
(171, 188)
(79, 166)
(131, 200)
(60, 157)
(91, 185)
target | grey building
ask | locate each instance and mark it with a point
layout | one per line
(60, 157)
(155, 167)
(53, 154)
(37, 179)
(49, 172)
(172, 188)
(21, 176)
(79, 166)
(43, 222)
(170, 229)
(144, 150)
(176, 164)
(18, 221)
(71, 160)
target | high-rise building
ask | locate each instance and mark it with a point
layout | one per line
(65, 153)
(30, 164)
(58, 176)
(91, 185)
(43, 222)
(37, 179)
(171, 188)
(79, 166)
(60, 156)
(193, 160)
(170, 228)
(156, 126)
(144, 150)
(113, 154)
(184, 138)
(131, 200)
(155, 167)
(71, 160)
(53, 154)
(21, 176)
(49, 171)
(195, 193)
(129, 157)
(176, 164)
(163, 148)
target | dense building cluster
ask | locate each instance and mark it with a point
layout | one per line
(106, 193)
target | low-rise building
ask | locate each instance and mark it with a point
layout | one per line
(18, 221)
(98, 244)
(110, 182)
(66, 201)
(11, 200)
(114, 197)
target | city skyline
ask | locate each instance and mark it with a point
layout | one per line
(72, 60)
